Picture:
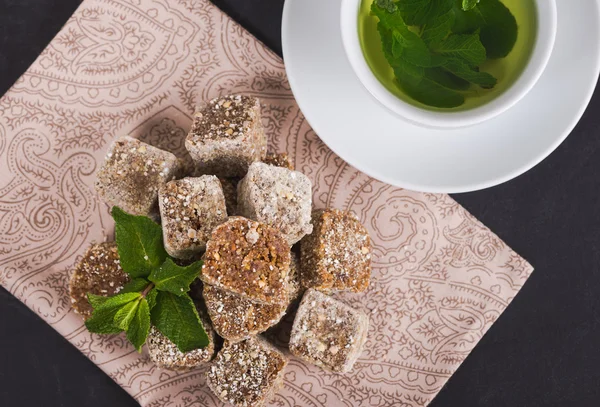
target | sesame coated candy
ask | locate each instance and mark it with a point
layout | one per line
(227, 136)
(278, 197)
(132, 174)
(166, 355)
(190, 209)
(337, 254)
(98, 272)
(249, 259)
(247, 374)
(327, 332)
(236, 318)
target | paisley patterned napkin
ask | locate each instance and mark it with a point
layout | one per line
(139, 67)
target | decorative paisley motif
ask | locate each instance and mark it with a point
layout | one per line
(111, 52)
(140, 67)
(472, 244)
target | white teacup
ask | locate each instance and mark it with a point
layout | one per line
(542, 49)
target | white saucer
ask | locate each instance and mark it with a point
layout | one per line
(371, 138)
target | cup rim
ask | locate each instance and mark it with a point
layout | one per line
(542, 50)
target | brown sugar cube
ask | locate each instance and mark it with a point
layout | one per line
(166, 355)
(229, 186)
(227, 136)
(279, 160)
(247, 374)
(190, 209)
(236, 318)
(132, 174)
(278, 197)
(327, 332)
(249, 259)
(98, 272)
(337, 255)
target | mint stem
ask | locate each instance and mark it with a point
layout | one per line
(147, 290)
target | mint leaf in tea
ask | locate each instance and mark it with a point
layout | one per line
(447, 54)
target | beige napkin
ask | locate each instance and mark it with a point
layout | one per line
(139, 67)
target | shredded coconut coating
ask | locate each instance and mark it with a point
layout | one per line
(236, 318)
(190, 209)
(249, 259)
(337, 255)
(98, 272)
(327, 332)
(227, 136)
(278, 197)
(279, 160)
(166, 355)
(247, 374)
(132, 174)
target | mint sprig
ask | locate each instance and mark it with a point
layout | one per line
(435, 47)
(157, 294)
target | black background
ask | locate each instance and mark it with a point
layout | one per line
(543, 351)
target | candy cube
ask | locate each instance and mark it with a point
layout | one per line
(278, 197)
(247, 374)
(166, 355)
(190, 209)
(132, 174)
(337, 255)
(227, 136)
(236, 318)
(249, 259)
(327, 332)
(98, 272)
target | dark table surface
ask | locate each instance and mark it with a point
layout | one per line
(543, 351)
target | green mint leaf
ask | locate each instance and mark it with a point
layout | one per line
(464, 46)
(103, 316)
(432, 93)
(117, 301)
(139, 242)
(176, 317)
(410, 47)
(387, 19)
(499, 31)
(102, 321)
(419, 12)
(135, 286)
(466, 22)
(388, 5)
(96, 300)
(124, 316)
(464, 71)
(447, 79)
(400, 44)
(151, 298)
(139, 325)
(173, 278)
(469, 4)
(437, 29)
(406, 72)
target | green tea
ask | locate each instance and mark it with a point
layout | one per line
(506, 70)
